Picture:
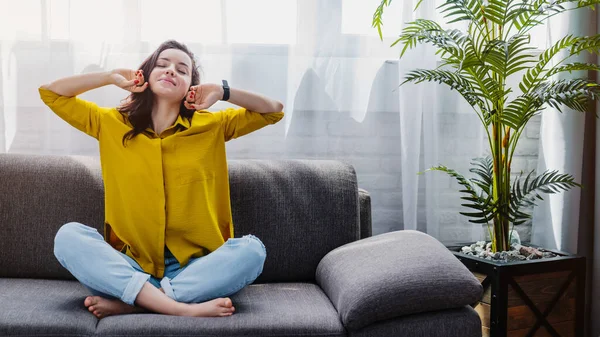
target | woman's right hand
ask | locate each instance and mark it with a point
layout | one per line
(130, 80)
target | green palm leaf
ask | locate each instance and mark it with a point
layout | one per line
(518, 55)
(423, 30)
(574, 93)
(527, 14)
(525, 192)
(484, 85)
(496, 10)
(484, 210)
(519, 111)
(519, 11)
(575, 66)
(484, 168)
(378, 15)
(589, 43)
(455, 47)
(460, 10)
(508, 57)
(453, 80)
(535, 75)
(533, 13)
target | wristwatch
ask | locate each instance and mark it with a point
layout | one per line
(225, 91)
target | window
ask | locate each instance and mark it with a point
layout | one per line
(189, 21)
(261, 21)
(20, 20)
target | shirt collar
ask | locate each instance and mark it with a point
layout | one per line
(183, 121)
(179, 121)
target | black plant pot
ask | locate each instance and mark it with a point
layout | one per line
(542, 297)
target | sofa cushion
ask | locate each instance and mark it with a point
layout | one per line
(273, 309)
(461, 322)
(55, 308)
(39, 195)
(394, 274)
(300, 209)
(44, 308)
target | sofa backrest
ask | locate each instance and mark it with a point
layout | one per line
(300, 209)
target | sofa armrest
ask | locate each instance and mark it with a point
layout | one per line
(365, 213)
(394, 274)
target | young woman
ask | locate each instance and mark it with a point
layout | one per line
(168, 244)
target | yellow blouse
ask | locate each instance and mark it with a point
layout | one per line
(170, 189)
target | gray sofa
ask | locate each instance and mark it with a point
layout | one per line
(325, 275)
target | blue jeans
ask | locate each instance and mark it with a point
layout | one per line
(109, 273)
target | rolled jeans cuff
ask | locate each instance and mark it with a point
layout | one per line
(165, 284)
(134, 287)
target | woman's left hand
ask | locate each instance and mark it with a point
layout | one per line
(203, 96)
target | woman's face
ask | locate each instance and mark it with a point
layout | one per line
(172, 75)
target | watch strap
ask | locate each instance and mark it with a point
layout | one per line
(225, 91)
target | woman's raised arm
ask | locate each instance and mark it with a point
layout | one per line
(74, 85)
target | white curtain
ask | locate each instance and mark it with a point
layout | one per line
(561, 148)
(568, 143)
(321, 58)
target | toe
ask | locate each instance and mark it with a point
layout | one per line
(91, 308)
(227, 302)
(88, 301)
(91, 300)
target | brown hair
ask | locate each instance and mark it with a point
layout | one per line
(138, 106)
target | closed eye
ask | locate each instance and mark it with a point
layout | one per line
(180, 71)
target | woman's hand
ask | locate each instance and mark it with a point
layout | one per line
(130, 80)
(203, 96)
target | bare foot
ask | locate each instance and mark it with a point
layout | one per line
(219, 307)
(102, 307)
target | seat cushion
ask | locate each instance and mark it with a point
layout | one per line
(394, 274)
(460, 322)
(55, 308)
(270, 309)
(44, 308)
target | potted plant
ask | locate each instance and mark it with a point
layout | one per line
(477, 63)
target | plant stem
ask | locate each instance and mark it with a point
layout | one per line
(501, 179)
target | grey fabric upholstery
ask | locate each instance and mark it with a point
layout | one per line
(290, 205)
(55, 308)
(458, 322)
(33, 307)
(399, 273)
(275, 309)
(40, 194)
(366, 229)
